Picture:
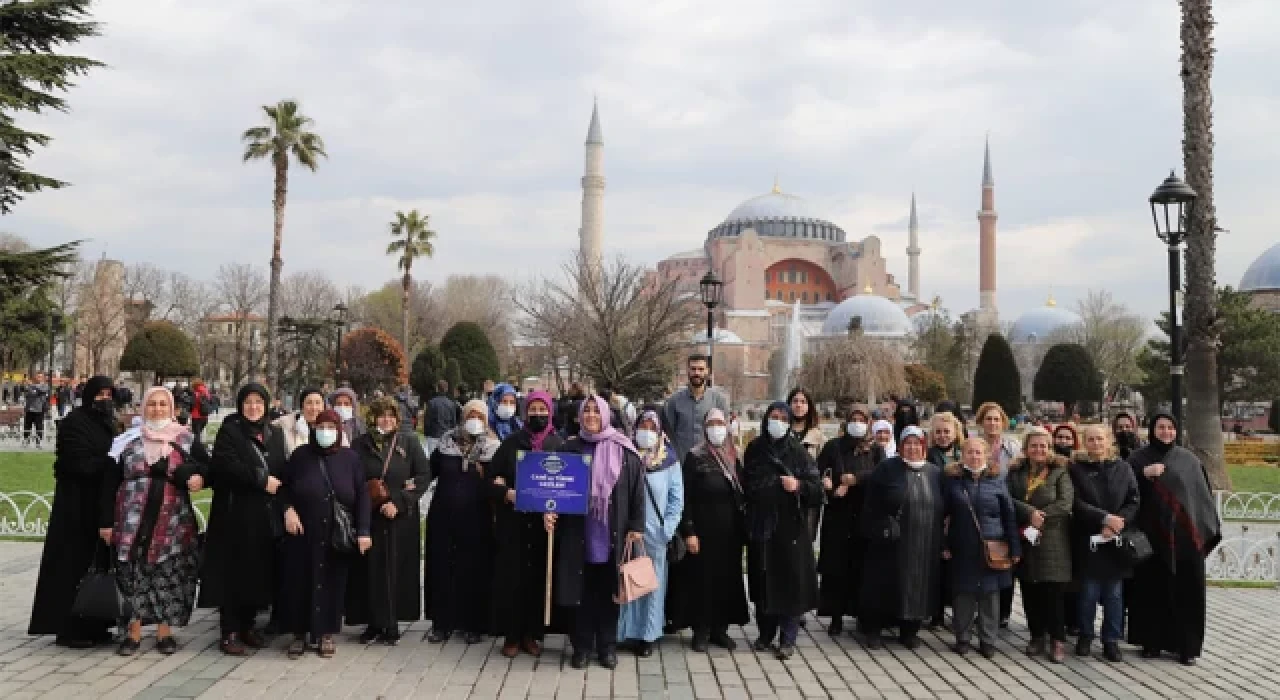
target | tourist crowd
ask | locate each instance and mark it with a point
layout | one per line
(315, 523)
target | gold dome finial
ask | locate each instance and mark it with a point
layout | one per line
(867, 289)
(1051, 302)
(776, 188)
(937, 302)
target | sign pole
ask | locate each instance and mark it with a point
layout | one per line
(546, 609)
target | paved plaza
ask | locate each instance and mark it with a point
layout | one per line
(1240, 662)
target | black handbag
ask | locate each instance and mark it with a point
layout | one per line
(342, 538)
(98, 597)
(1135, 546)
(676, 548)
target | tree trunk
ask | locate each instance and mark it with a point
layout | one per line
(1203, 421)
(404, 313)
(281, 161)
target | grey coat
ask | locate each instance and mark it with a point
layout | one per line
(1049, 561)
(682, 417)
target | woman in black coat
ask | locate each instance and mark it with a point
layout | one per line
(588, 548)
(902, 523)
(845, 464)
(71, 544)
(1106, 502)
(459, 547)
(1180, 519)
(979, 508)
(520, 560)
(384, 587)
(240, 543)
(706, 590)
(315, 574)
(781, 484)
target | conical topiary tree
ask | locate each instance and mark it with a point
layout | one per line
(996, 377)
(1067, 374)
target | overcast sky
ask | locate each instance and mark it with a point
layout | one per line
(475, 113)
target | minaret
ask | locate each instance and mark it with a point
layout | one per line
(987, 239)
(913, 253)
(591, 233)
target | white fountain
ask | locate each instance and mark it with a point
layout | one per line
(792, 352)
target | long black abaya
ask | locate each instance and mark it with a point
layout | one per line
(842, 546)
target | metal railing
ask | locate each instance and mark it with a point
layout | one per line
(1248, 506)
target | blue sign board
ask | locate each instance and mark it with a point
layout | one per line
(552, 482)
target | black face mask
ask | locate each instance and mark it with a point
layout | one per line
(536, 424)
(106, 407)
(1064, 450)
(1126, 438)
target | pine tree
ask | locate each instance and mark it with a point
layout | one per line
(996, 377)
(467, 343)
(1067, 374)
(31, 72)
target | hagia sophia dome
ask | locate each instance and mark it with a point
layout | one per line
(1039, 324)
(881, 318)
(1263, 273)
(777, 214)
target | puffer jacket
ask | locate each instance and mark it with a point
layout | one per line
(986, 500)
(1049, 561)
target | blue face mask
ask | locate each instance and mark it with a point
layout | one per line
(326, 437)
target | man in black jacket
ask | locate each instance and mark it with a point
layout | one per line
(442, 415)
(36, 405)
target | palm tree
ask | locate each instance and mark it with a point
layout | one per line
(414, 240)
(286, 133)
(1203, 424)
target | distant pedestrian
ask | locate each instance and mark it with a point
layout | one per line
(36, 409)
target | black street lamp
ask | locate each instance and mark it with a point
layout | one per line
(712, 294)
(1172, 205)
(341, 310)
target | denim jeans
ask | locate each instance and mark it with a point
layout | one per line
(1109, 592)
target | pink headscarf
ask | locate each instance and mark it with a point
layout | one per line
(608, 458)
(156, 443)
(536, 439)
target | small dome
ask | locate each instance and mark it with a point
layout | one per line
(1037, 325)
(1264, 273)
(881, 318)
(724, 336)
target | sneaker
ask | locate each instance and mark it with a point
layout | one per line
(786, 651)
(167, 645)
(1111, 652)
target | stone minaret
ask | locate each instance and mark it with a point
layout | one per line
(913, 253)
(987, 240)
(591, 234)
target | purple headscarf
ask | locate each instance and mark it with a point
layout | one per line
(607, 461)
(536, 439)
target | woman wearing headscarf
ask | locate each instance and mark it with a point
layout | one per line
(845, 463)
(347, 405)
(1126, 439)
(589, 549)
(902, 523)
(641, 620)
(520, 557)
(293, 430)
(806, 425)
(1065, 441)
(1043, 496)
(315, 574)
(883, 432)
(1178, 515)
(71, 544)
(979, 510)
(147, 514)
(238, 574)
(459, 551)
(782, 486)
(503, 405)
(904, 415)
(706, 587)
(385, 583)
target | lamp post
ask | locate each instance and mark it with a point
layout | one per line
(341, 310)
(55, 320)
(712, 289)
(1171, 207)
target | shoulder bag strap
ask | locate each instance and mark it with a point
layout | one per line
(324, 469)
(972, 512)
(662, 522)
(386, 461)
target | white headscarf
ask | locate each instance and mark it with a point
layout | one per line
(890, 450)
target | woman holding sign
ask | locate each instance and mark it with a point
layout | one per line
(519, 581)
(589, 549)
(782, 484)
(664, 488)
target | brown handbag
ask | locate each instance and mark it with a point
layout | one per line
(994, 552)
(379, 494)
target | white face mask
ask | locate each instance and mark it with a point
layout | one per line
(474, 426)
(716, 435)
(858, 430)
(646, 439)
(975, 470)
(158, 425)
(777, 428)
(505, 412)
(344, 412)
(917, 465)
(326, 437)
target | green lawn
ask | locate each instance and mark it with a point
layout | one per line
(1255, 478)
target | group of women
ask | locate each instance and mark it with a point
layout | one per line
(315, 517)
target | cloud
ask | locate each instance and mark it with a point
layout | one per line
(475, 113)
